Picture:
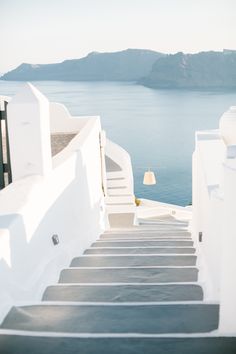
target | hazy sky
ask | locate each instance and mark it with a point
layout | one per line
(47, 31)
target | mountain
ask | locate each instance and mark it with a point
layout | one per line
(204, 70)
(127, 65)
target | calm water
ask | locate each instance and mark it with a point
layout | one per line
(155, 126)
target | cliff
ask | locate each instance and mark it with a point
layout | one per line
(205, 70)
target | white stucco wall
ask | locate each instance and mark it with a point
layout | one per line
(67, 201)
(61, 120)
(207, 209)
(228, 269)
(29, 133)
(214, 198)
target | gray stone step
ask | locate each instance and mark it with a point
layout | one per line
(111, 166)
(129, 275)
(139, 229)
(171, 223)
(159, 234)
(124, 293)
(115, 178)
(133, 261)
(147, 229)
(138, 250)
(132, 345)
(147, 239)
(177, 318)
(165, 226)
(142, 243)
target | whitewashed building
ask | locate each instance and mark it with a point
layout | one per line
(83, 268)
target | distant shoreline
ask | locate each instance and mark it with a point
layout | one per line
(197, 89)
(202, 71)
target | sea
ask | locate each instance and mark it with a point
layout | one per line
(156, 127)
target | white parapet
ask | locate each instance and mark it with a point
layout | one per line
(29, 133)
(61, 120)
(228, 261)
(67, 203)
(214, 223)
(207, 207)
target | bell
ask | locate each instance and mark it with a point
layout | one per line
(149, 178)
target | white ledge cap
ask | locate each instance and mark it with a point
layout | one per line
(29, 94)
(227, 126)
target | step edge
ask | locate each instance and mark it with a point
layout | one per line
(210, 334)
(23, 304)
(134, 267)
(145, 240)
(165, 239)
(144, 247)
(137, 255)
(198, 284)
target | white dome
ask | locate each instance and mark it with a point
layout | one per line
(228, 126)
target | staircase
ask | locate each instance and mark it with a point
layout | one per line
(120, 201)
(135, 290)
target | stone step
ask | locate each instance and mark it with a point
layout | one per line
(122, 210)
(146, 229)
(133, 261)
(129, 275)
(157, 221)
(112, 166)
(142, 243)
(119, 318)
(161, 224)
(138, 229)
(116, 182)
(146, 239)
(117, 216)
(124, 293)
(118, 232)
(173, 223)
(112, 191)
(115, 174)
(145, 235)
(116, 178)
(120, 199)
(138, 250)
(22, 344)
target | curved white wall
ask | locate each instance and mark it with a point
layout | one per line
(122, 158)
